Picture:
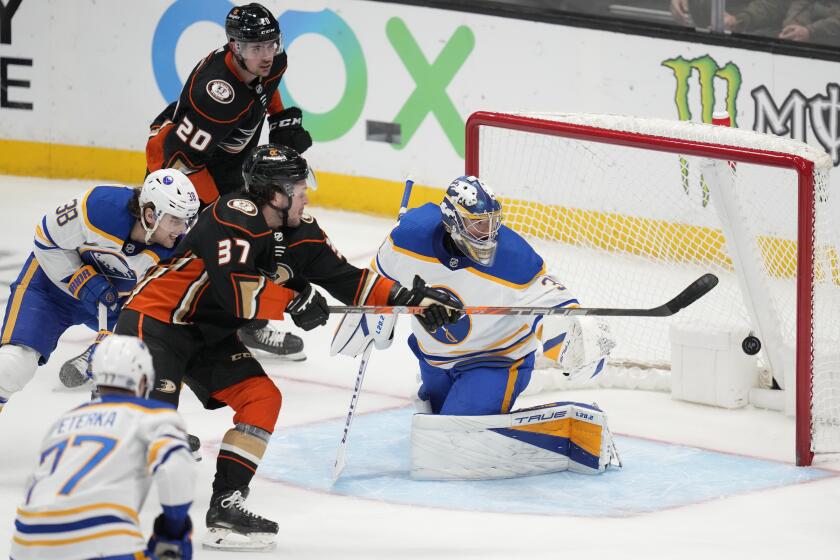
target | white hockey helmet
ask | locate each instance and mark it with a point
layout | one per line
(172, 193)
(123, 361)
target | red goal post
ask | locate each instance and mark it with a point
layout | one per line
(525, 142)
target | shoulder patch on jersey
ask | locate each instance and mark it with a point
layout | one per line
(220, 90)
(243, 205)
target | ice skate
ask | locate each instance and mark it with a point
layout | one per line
(230, 526)
(269, 339)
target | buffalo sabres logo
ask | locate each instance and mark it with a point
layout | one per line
(243, 205)
(220, 91)
(457, 332)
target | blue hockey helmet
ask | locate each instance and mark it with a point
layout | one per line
(472, 216)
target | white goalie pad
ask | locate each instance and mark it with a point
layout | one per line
(355, 330)
(579, 346)
(549, 438)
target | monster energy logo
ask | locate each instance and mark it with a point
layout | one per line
(707, 72)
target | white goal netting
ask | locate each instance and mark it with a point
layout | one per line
(628, 211)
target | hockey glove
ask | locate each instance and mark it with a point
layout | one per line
(166, 546)
(442, 309)
(309, 309)
(286, 128)
(91, 288)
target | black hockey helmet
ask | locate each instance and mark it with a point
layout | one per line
(252, 23)
(274, 168)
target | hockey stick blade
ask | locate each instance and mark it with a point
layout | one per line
(692, 293)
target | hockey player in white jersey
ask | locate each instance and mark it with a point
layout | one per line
(479, 365)
(96, 467)
(87, 253)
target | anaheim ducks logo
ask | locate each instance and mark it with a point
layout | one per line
(243, 205)
(220, 90)
(166, 386)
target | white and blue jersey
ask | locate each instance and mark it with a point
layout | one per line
(517, 278)
(93, 229)
(95, 469)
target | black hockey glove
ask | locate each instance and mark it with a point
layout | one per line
(165, 546)
(442, 309)
(286, 128)
(308, 309)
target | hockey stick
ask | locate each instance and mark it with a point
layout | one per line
(409, 183)
(103, 317)
(692, 293)
(340, 459)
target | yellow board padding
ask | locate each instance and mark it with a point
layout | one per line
(367, 195)
(61, 161)
(653, 239)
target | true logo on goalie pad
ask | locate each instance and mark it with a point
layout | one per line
(547, 438)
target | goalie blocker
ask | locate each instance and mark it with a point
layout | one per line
(543, 439)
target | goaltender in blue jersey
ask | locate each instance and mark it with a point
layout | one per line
(87, 253)
(472, 371)
(96, 467)
(482, 363)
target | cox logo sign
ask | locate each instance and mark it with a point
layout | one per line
(431, 78)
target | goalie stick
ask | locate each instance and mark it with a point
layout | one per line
(692, 293)
(340, 460)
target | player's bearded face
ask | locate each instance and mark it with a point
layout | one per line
(258, 57)
(298, 203)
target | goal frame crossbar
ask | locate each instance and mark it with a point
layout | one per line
(804, 169)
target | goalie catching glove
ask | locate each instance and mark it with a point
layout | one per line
(441, 308)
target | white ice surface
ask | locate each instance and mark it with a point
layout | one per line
(786, 522)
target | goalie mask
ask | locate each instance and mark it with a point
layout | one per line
(472, 216)
(123, 362)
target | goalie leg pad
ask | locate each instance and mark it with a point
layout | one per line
(544, 439)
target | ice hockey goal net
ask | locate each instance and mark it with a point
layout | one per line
(628, 211)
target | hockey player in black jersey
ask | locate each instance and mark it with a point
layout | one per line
(252, 254)
(217, 121)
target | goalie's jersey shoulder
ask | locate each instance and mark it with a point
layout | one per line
(105, 211)
(420, 235)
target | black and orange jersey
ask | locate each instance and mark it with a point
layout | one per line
(232, 268)
(215, 123)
